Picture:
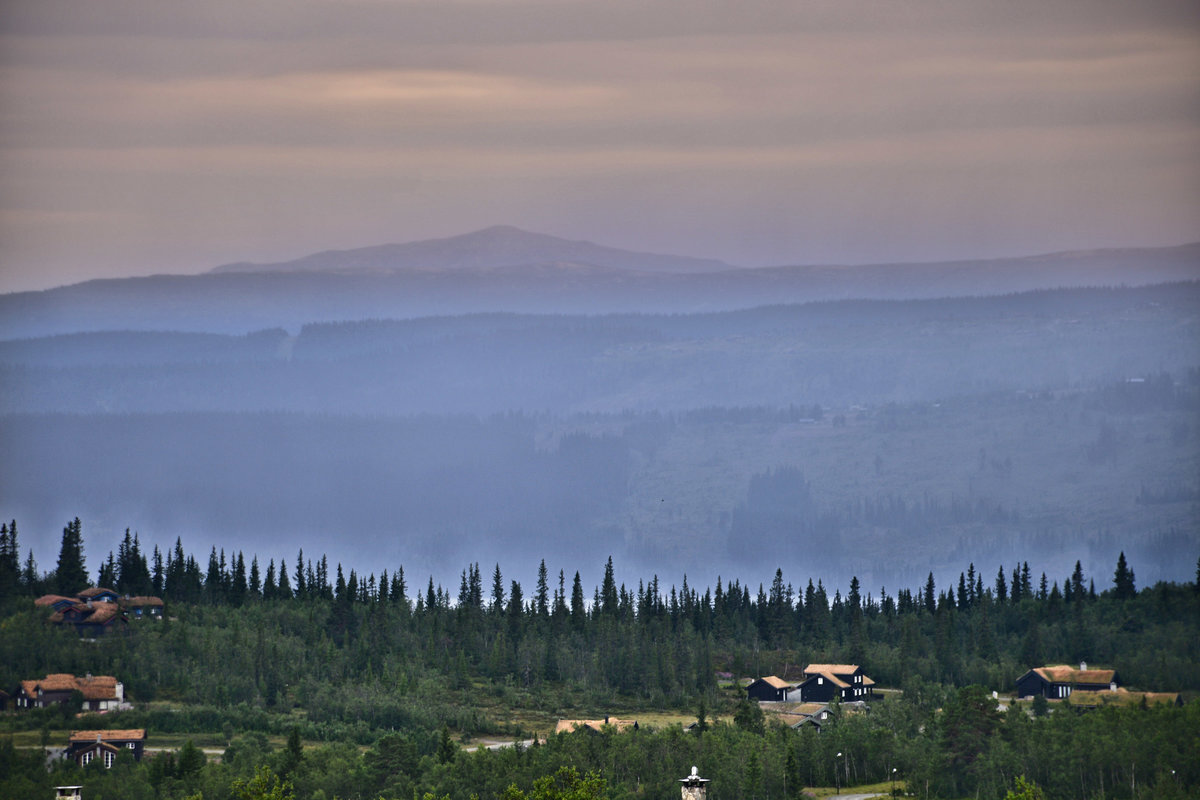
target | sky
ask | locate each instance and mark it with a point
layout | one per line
(141, 137)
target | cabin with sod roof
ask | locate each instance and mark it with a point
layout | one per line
(142, 606)
(91, 619)
(98, 594)
(823, 682)
(807, 714)
(97, 610)
(87, 746)
(100, 692)
(769, 689)
(1057, 683)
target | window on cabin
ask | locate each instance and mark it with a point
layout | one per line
(820, 681)
(108, 759)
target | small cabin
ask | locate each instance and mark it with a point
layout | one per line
(769, 689)
(1058, 682)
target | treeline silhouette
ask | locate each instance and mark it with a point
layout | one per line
(303, 631)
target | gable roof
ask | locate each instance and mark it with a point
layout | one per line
(55, 682)
(93, 687)
(99, 612)
(141, 600)
(53, 599)
(832, 669)
(829, 676)
(131, 735)
(95, 591)
(815, 721)
(1065, 674)
(94, 745)
(778, 683)
(98, 687)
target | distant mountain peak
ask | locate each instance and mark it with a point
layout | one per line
(500, 246)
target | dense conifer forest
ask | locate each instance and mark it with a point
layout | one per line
(367, 686)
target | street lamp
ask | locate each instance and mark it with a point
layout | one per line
(836, 777)
(893, 781)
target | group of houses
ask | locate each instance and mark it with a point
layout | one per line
(96, 611)
(845, 683)
(97, 694)
(822, 683)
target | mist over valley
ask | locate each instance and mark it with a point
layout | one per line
(878, 438)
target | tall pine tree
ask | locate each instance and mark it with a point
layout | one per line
(1123, 586)
(70, 576)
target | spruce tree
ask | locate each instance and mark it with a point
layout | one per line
(10, 561)
(284, 589)
(214, 585)
(238, 586)
(608, 590)
(70, 576)
(542, 598)
(497, 591)
(1123, 585)
(107, 576)
(301, 588)
(578, 610)
(157, 575)
(1077, 588)
(29, 575)
(255, 578)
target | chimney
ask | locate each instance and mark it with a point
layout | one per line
(694, 787)
(1082, 666)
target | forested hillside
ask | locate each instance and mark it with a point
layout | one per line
(1051, 477)
(249, 651)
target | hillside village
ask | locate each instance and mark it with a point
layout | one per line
(324, 664)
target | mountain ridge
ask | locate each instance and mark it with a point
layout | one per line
(491, 248)
(480, 273)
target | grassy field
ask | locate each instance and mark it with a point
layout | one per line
(882, 789)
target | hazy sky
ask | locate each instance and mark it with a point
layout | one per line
(142, 136)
